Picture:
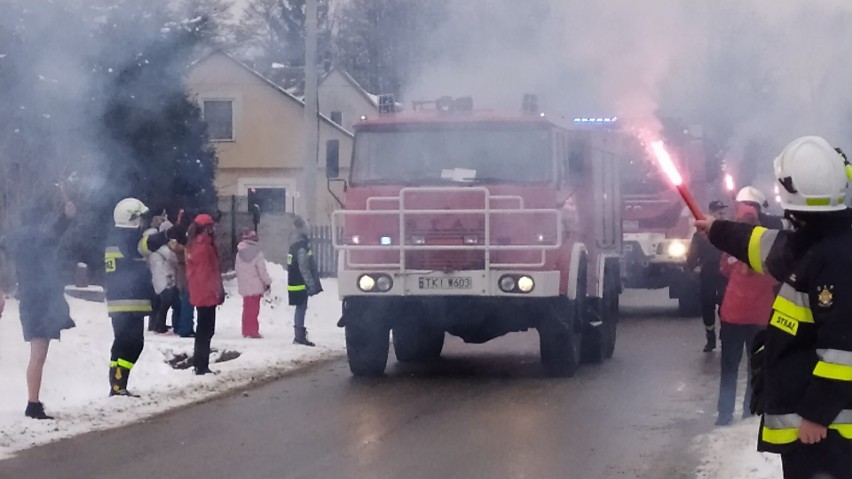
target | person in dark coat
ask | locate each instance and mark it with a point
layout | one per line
(704, 258)
(302, 279)
(44, 312)
(206, 291)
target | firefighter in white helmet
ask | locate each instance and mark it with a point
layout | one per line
(128, 288)
(754, 197)
(803, 361)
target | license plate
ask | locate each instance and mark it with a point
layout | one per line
(630, 225)
(444, 283)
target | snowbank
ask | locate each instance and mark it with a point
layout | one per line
(76, 375)
(730, 453)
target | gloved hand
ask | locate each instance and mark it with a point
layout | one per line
(314, 291)
(758, 353)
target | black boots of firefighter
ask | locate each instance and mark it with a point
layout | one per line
(711, 340)
(118, 377)
(302, 337)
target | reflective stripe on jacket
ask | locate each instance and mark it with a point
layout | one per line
(128, 279)
(808, 352)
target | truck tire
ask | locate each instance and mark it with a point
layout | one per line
(367, 343)
(560, 339)
(596, 332)
(412, 343)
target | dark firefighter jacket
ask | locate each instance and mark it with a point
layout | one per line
(128, 279)
(302, 277)
(703, 253)
(807, 365)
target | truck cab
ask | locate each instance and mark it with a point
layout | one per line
(478, 224)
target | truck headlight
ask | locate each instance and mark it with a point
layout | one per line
(418, 240)
(385, 241)
(507, 284)
(366, 283)
(471, 240)
(525, 284)
(355, 239)
(384, 283)
(677, 249)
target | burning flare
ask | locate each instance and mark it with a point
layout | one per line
(729, 182)
(668, 167)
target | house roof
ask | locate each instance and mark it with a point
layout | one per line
(272, 84)
(371, 98)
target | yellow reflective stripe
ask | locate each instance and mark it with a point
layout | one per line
(818, 201)
(802, 314)
(845, 430)
(779, 436)
(129, 306)
(755, 257)
(113, 364)
(142, 247)
(297, 287)
(838, 372)
(123, 363)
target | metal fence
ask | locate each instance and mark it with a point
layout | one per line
(322, 243)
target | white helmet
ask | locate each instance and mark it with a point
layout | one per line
(751, 194)
(813, 176)
(128, 213)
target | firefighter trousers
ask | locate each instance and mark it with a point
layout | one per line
(710, 297)
(830, 458)
(129, 338)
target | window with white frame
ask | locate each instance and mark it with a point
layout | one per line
(219, 115)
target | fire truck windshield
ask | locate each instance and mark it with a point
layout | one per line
(641, 177)
(424, 155)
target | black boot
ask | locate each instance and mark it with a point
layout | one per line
(711, 341)
(302, 337)
(35, 410)
(118, 377)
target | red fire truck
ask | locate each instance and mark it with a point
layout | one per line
(658, 226)
(478, 224)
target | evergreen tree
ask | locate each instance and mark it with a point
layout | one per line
(97, 110)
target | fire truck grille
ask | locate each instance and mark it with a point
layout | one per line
(446, 260)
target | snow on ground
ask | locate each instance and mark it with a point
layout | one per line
(76, 374)
(730, 453)
(75, 383)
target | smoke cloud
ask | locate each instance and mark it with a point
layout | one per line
(753, 73)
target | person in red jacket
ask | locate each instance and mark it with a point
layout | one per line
(204, 280)
(745, 311)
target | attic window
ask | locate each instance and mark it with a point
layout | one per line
(337, 117)
(219, 115)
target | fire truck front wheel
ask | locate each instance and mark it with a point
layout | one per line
(367, 342)
(560, 338)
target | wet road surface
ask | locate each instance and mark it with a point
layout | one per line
(484, 411)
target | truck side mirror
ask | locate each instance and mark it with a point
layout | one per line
(332, 159)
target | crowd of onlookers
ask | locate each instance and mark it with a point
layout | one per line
(152, 266)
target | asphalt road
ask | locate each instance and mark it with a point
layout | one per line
(484, 411)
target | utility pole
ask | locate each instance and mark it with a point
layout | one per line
(309, 178)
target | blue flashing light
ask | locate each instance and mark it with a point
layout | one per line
(596, 121)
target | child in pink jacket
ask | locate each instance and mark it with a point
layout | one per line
(252, 281)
